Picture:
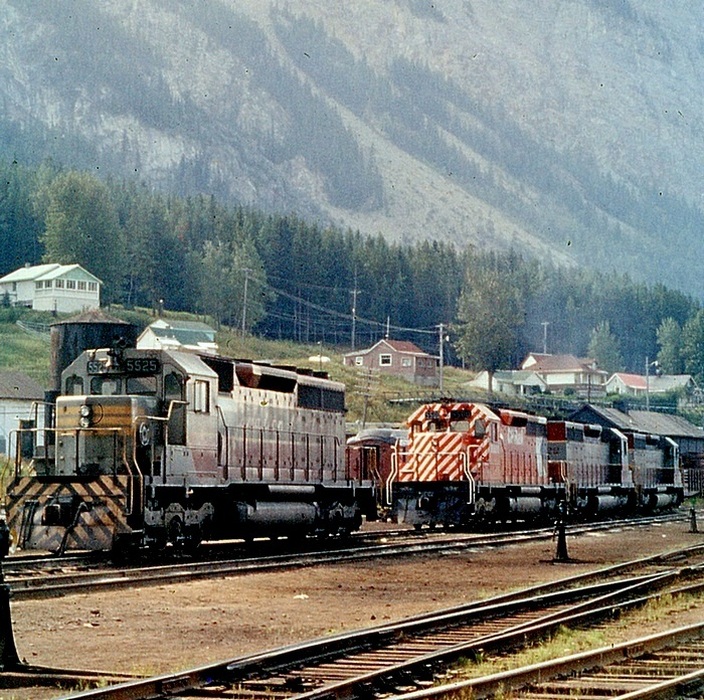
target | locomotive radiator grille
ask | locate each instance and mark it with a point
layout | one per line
(77, 515)
(435, 456)
(442, 455)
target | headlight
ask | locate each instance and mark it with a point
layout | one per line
(86, 412)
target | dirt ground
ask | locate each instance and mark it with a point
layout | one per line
(158, 629)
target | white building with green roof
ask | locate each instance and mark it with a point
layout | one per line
(52, 287)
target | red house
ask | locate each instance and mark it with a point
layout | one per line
(397, 357)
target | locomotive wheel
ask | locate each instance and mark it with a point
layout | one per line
(124, 548)
(174, 533)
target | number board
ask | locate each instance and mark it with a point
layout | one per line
(135, 366)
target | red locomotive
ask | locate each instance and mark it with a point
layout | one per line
(467, 463)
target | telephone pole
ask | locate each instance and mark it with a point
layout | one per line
(354, 293)
(244, 301)
(442, 354)
(545, 325)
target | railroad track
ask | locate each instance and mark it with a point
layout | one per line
(665, 665)
(415, 651)
(34, 578)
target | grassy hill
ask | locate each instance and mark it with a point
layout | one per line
(28, 351)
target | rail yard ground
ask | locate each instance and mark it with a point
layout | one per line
(158, 629)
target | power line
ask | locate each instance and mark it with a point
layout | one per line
(339, 314)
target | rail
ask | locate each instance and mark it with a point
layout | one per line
(361, 664)
(649, 673)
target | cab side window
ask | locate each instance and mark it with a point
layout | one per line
(173, 391)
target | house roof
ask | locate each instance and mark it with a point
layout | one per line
(17, 385)
(49, 271)
(178, 325)
(518, 377)
(666, 424)
(29, 273)
(192, 333)
(633, 381)
(401, 346)
(559, 363)
(644, 421)
(71, 271)
(91, 316)
(655, 383)
(182, 335)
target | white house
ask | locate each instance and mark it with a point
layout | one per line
(511, 382)
(639, 385)
(178, 335)
(52, 287)
(568, 373)
(21, 402)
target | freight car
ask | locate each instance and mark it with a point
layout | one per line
(468, 463)
(166, 447)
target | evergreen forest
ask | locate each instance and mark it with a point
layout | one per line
(280, 276)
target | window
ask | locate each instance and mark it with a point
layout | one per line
(385, 360)
(201, 396)
(145, 386)
(320, 398)
(38, 285)
(74, 385)
(59, 284)
(92, 286)
(359, 360)
(406, 362)
(173, 386)
(70, 284)
(105, 386)
(47, 284)
(82, 286)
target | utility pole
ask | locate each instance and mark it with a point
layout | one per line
(648, 365)
(354, 293)
(442, 355)
(545, 325)
(244, 301)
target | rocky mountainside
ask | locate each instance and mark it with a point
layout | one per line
(571, 130)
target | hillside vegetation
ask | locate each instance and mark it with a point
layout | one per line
(29, 352)
(568, 132)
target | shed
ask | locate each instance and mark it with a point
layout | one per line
(21, 403)
(178, 335)
(689, 437)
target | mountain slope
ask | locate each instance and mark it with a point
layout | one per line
(571, 131)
